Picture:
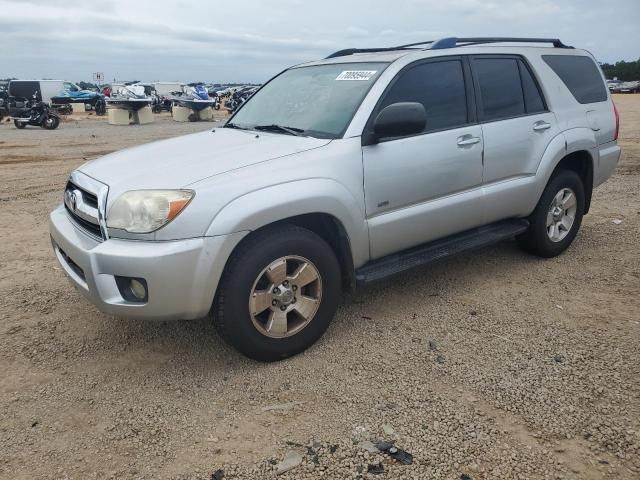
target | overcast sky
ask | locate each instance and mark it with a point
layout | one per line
(251, 40)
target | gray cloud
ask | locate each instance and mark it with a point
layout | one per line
(252, 40)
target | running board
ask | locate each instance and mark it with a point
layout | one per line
(439, 249)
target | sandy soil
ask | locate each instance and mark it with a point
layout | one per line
(490, 365)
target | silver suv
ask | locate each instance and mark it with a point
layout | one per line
(337, 173)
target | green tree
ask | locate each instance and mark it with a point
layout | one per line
(624, 71)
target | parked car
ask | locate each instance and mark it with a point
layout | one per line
(4, 100)
(45, 89)
(613, 85)
(629, 87)
(338, 173)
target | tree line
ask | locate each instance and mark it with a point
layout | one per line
(624, 71)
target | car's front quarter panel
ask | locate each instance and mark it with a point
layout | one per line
(323, 180)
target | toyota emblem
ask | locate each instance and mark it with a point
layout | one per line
(71, 200)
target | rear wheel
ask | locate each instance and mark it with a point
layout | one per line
(19, 125)
(557, 218)
(278, 294)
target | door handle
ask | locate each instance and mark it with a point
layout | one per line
(541, 126)
(467, 140)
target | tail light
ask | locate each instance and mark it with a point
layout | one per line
(615, 111)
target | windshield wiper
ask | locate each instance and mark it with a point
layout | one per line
(279, 128)
(234, 125)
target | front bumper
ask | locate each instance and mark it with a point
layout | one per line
(182, 276)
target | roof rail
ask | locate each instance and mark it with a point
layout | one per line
(451, 42)
(351, 51)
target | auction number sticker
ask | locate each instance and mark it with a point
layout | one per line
(357, 75)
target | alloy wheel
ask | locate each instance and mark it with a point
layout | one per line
(285, 297)
(561, 214)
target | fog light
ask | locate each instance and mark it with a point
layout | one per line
(133, 289)
(138, 289)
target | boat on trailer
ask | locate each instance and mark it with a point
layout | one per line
(129, 97)
(194, 97)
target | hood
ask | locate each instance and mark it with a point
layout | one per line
(181, 161)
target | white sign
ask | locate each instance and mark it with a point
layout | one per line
(356, 75)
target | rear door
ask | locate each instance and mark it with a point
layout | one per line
(516, 126)
(426, 186)
(23, 88)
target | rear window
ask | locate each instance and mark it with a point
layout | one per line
(23, 88)
(581, 76)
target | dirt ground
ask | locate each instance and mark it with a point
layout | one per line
(490, 365)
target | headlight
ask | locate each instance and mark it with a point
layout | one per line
(144, 211)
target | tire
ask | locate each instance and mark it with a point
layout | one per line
(100, 107)
(50, 123)
(19, 125)
(245, 275)
(550, 241)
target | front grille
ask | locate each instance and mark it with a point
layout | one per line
(85, 218)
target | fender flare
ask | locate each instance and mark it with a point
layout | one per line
(565, 143)
(275, 203)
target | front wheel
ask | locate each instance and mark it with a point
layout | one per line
(557, 218)
(50, 122)
(278, 294)
(19, 124)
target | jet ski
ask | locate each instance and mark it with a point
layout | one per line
(62, 102)
(68, 96)
(129, 97)
(195, 97)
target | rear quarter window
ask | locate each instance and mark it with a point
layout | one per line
(581, 76)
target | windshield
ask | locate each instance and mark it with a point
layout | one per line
(72, 87)
(317, 101)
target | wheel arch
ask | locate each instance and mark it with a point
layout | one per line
(327, 227)
(581, 162)
(321, 205)
(576, 150)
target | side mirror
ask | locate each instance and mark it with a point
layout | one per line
(400, 119)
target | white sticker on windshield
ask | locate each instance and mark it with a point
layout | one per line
(362, 75)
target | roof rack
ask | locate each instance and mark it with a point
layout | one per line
(351, 51)
(451, 42)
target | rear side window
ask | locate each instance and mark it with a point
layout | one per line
(581, 76)
(533, 101)
(439, 86)
(500, 87)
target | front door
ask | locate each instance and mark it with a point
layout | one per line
(423, 187)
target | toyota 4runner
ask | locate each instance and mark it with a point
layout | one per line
(337, 173)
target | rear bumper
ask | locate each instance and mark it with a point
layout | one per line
(182, 276)
(607, 162)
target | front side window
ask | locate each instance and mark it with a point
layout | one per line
(500, 88)
(317, 101)
(439, 87)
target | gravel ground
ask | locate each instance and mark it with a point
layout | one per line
(490, 365)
